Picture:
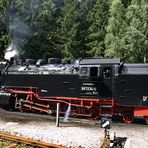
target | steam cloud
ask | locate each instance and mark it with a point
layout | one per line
(18, 29)
(67, 113)
(11, 51)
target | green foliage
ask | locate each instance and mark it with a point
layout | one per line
(115, 45)
(4, 37)
(44, 42)
(72, 29)
(137, 34)
(76, 28)
(97, 20)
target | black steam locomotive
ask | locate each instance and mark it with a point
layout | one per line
(92, 87)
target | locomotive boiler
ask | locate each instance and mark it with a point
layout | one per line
(92, 87)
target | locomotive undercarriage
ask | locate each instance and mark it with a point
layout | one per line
(28, 99)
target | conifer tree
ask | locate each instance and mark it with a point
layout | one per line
(114, 40)
(137, 34)
(145, 28)
(4, 36)
(44, 43)
(97, 20)
(71, 29)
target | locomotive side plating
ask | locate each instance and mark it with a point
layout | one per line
(93, 88)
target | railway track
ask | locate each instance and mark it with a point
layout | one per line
(31, 116)
(33, 121)
(17, 140)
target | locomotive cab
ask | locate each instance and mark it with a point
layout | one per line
(96, 81)
(97, 77)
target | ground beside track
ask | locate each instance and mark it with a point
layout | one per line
(72, 135)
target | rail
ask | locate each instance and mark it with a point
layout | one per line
(34, 143)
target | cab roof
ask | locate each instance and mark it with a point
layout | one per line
(96, 61)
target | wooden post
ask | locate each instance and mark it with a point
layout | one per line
(57, 115)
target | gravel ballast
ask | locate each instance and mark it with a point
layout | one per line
(73, 135)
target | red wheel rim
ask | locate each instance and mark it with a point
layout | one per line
(128, 117)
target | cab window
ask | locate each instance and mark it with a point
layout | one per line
(93, 71)
(84, 71)
(107, 72)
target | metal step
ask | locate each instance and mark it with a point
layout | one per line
(106, 115)
(106, 106)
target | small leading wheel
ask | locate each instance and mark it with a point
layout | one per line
(128, 117)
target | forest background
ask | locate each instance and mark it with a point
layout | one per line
(75, 28)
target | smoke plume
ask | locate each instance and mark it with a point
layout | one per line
(19, 30)
(11, 51)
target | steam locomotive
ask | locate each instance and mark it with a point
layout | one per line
(91, 87)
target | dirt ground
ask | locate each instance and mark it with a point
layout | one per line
(73, 135)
